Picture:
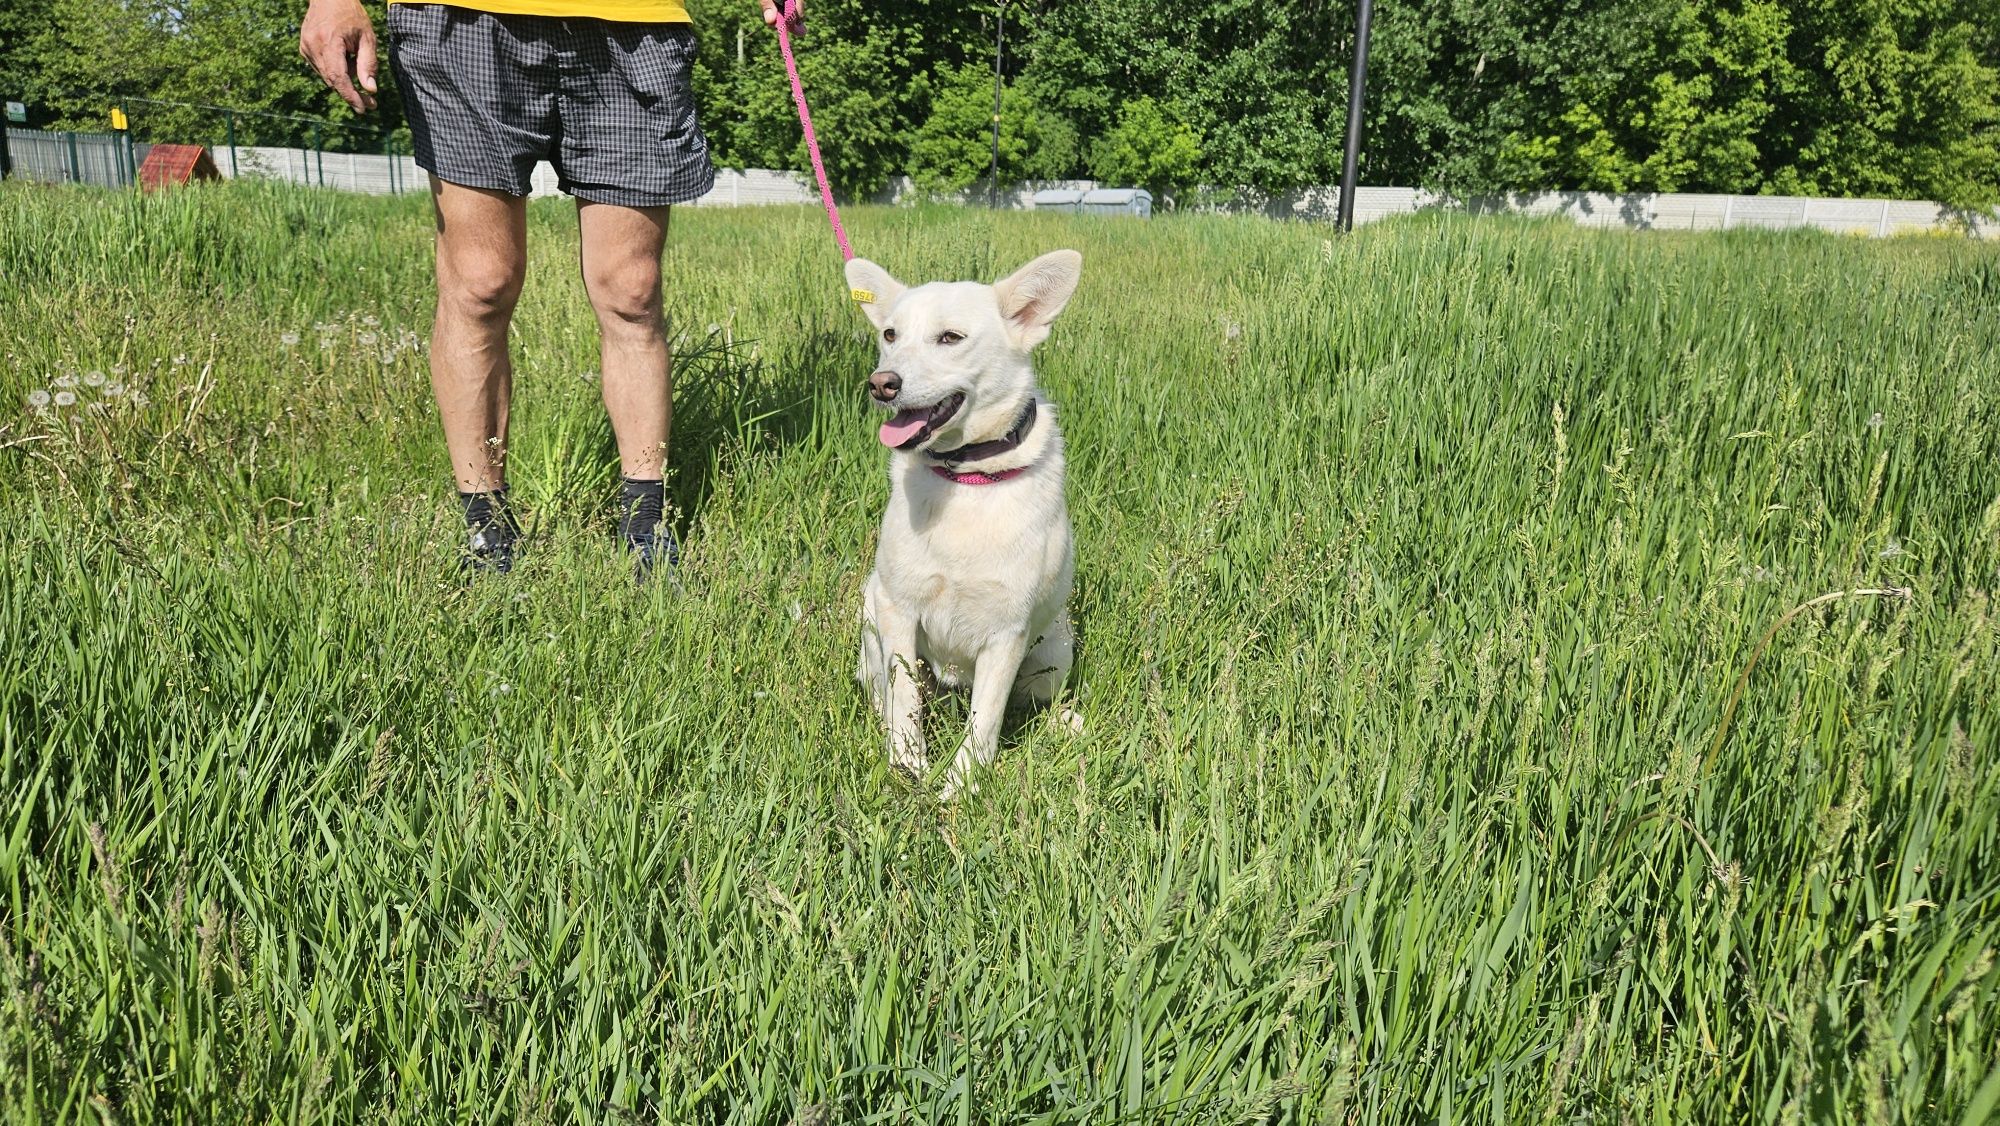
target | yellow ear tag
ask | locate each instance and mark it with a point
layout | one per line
(864, 296)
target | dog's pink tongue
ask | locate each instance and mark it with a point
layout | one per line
(902, 428)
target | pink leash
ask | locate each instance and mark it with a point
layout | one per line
(789, 19)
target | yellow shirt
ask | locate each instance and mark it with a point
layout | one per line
(625, 11)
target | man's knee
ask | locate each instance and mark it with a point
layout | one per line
(627, 296)
(483, 288)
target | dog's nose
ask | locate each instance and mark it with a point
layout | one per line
(883, 385)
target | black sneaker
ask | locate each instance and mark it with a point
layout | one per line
(490, 550)
(492, 533)
(651, 553)
(643, 528)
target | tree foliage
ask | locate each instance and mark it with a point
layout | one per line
(1837, 97)
(82, 57)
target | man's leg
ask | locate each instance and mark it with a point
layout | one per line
(482, 246)
(621, 273)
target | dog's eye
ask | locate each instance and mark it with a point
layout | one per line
(889, 336)
(950, 337)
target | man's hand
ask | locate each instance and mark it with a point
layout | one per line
(339, 41)
(773, 9)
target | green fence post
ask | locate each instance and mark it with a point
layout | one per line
(319, 155)
(229, 125)
(131, 169)
(75, 170)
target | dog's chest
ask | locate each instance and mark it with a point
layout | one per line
(973, 561)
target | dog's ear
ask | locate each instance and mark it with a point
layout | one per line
(1031, 297)
(872, 288)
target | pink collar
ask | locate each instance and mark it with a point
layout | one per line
(977, 478)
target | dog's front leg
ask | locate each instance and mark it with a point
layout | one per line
(993, 673)
(901, 696)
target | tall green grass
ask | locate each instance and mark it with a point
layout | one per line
(1416, 570)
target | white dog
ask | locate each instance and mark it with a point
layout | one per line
(972, 574)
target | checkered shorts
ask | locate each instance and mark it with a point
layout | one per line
(608, 104)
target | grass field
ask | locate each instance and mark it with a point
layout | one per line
(1416, 573)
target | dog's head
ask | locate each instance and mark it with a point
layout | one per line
(954, 355)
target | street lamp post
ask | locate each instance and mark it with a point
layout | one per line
(999, 33)
(1357, 82)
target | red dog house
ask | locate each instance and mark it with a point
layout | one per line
(170, 165)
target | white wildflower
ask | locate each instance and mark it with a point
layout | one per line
(113, 390)
(1875, 421)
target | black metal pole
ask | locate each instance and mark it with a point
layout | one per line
(999, 31)
(1357, 84)
(6, 155)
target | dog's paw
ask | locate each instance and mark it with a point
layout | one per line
(957, 786)
(1067, 719)
(913, 762)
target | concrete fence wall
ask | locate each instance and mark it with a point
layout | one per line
(373, 173)
(102, 159)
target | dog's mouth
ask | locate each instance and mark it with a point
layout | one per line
(911, 428)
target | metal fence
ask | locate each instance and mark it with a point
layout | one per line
(108, 160)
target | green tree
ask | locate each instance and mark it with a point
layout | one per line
(1149, 147)
(20, 22)
(93, 54)
(1893, 97)
(864, 66)
(954, 147)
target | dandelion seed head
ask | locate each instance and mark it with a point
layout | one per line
(1875, 421)
(65, 380)
(93, 379)
(65, 398)
(288, 339)
(1892, 549)
(366, 338)
(38, 398)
